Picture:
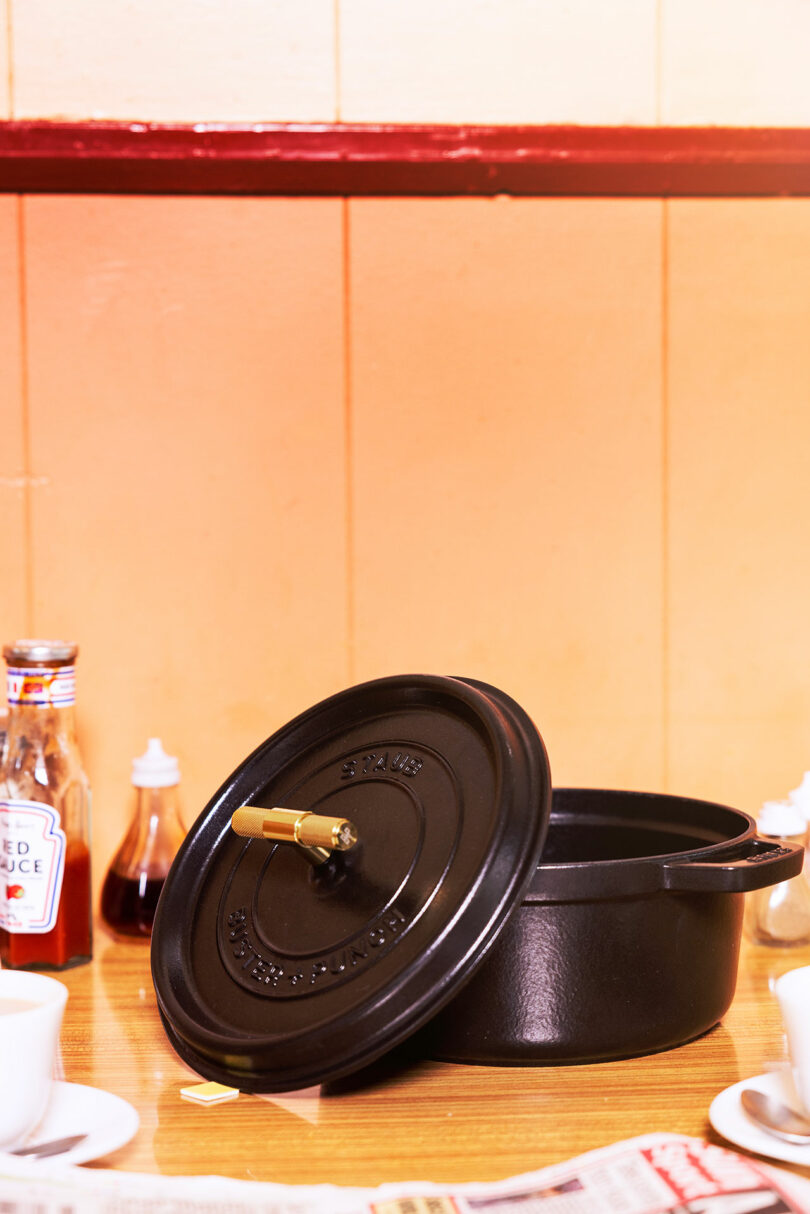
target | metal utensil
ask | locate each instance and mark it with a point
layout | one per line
(776, 1118)
(57, 1146)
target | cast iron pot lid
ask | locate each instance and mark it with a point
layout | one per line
(273, 974)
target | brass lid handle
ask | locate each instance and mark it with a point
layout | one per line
(306, 829)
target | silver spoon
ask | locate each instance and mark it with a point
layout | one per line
(56, 1147)
(776, 1118)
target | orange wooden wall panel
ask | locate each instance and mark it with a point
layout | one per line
(14, 487)
(740, 497)
(506, 382)
(186, 401)
(277, 446)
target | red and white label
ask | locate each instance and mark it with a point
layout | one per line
(32, 865)
(43, 687)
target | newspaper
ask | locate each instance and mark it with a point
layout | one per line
(654, 1174)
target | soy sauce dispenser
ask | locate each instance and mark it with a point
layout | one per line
(135, 877)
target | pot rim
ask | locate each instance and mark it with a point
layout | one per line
(585, 880)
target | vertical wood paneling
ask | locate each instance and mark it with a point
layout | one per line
(187, 420)
(740, 494)
(736, 62)
(13, 465)
(507, 453)
(529, 504)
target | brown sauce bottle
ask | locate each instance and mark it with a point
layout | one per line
(135, 878)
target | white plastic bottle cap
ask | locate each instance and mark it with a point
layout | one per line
(801, 796)
(780, 820)
(155, 769)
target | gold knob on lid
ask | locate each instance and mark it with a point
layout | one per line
(317, 834)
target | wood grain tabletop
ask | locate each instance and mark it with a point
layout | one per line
(405, 1119)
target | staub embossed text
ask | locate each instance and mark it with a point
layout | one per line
(399, 762)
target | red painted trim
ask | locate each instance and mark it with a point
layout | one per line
(142, 158)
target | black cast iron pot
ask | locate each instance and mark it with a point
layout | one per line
(628, 939)
(477, 918)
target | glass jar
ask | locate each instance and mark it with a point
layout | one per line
(45, 889)
(779, 914)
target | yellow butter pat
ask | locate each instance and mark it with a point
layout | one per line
(209, 1093)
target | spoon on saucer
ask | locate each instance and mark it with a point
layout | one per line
(776, 1118)
(57, 1146)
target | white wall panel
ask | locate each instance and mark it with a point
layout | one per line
(489, 61)
(735, 63)
(186, 61)
(5, 91)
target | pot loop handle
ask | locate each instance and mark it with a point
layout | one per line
(754, 864)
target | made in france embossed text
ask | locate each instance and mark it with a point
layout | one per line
(273, 974)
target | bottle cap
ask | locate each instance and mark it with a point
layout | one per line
(801, 796)
(155, 769)
(31, 652)
(780, 820)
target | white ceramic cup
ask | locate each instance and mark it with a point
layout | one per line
(31, 1009)
(793, 993)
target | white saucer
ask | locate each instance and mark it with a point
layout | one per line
(107, 1120)
(727, 1116)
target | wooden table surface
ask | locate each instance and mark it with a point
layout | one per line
(427, 1121)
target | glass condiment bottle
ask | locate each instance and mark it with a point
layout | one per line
(3, 732)
(780, 914)
(135, 877)
(45, 890)
(800, 797)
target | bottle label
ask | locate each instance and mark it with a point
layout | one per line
(32, 864)
(44, 687)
